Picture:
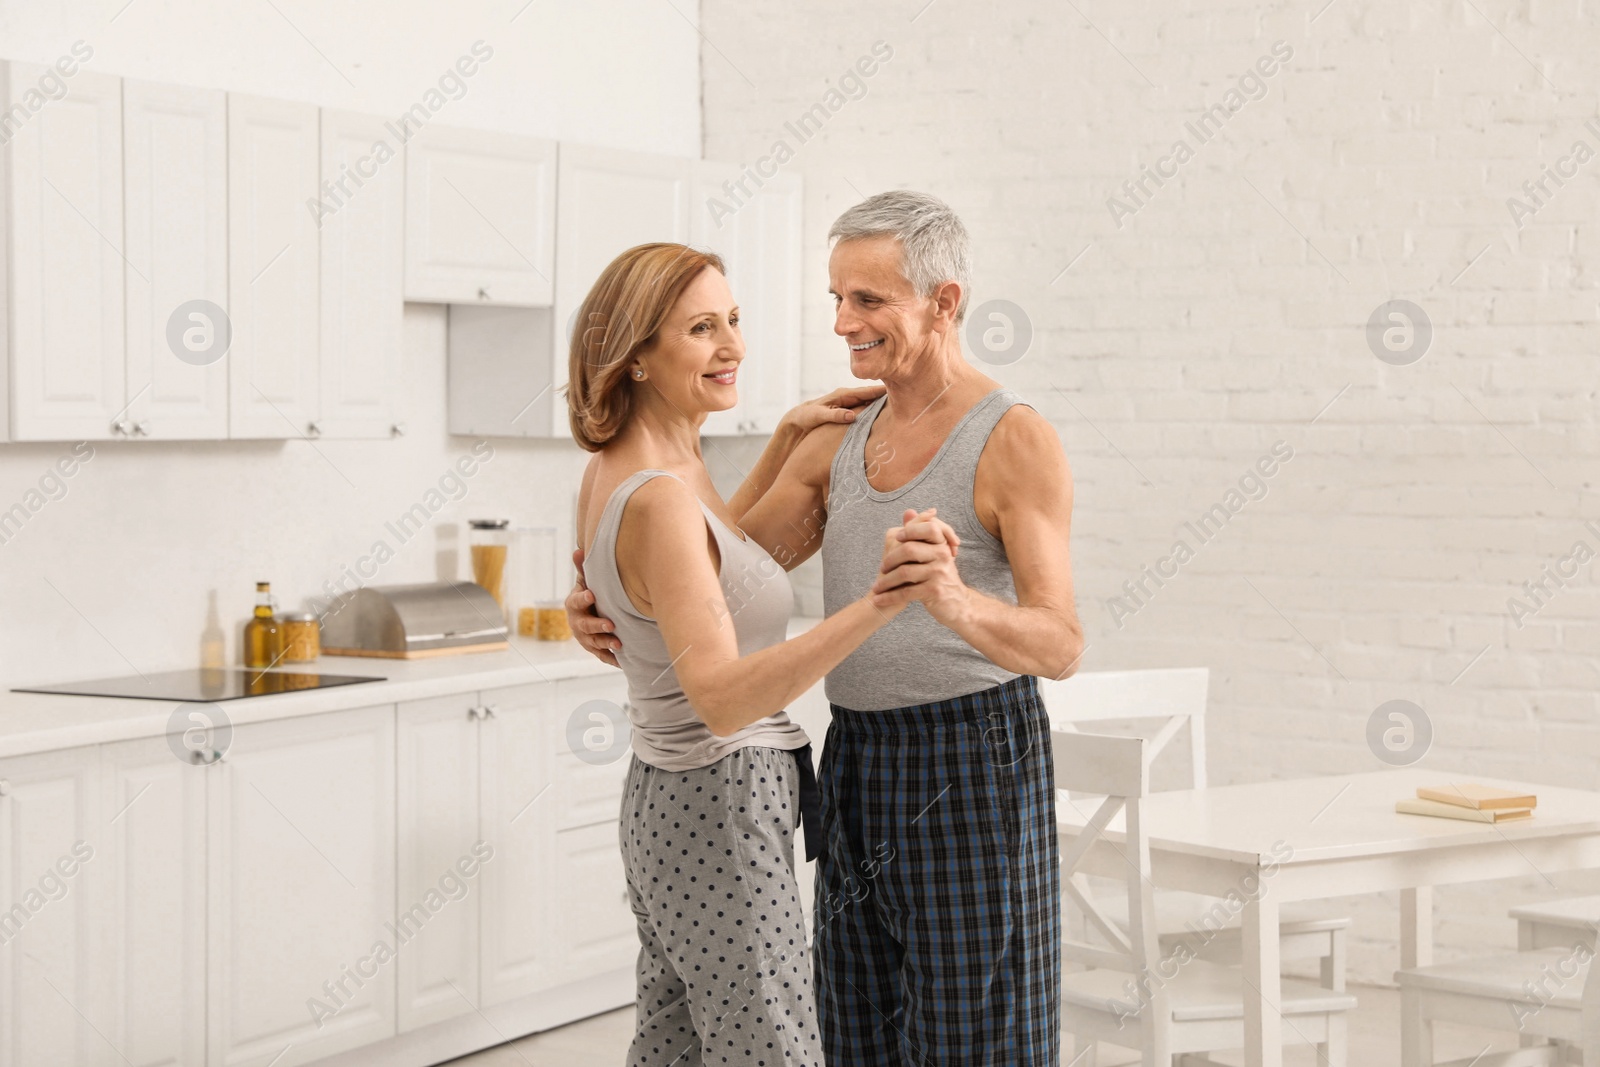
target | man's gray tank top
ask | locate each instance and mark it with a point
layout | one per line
(666, 731)
(913, 659)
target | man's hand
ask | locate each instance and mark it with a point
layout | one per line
(593, 630)
(919, 563)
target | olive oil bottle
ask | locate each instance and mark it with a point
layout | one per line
(263, 638)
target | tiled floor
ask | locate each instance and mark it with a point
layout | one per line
(1374, 1041)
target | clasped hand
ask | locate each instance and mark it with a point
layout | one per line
(919, 563)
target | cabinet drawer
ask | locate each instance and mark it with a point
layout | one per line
(589, 793)
(597, 930)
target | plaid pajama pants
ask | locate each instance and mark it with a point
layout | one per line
(938, 914)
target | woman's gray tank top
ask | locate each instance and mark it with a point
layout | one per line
(914, 659)
(666, 731)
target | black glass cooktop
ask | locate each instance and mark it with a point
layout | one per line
(200, 684)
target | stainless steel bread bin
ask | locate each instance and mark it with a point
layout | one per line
(410, 621)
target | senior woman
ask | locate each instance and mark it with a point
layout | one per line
(719, 774)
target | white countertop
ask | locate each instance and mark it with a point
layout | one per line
(46, 722)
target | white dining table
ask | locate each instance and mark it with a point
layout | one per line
(1314, 838)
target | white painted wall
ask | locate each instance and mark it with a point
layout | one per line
(114, 576)
(1228, 313)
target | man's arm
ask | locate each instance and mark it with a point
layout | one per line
(1024, 489)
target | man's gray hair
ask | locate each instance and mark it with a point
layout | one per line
(934, 247)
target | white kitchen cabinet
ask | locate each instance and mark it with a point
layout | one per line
(598, 931)
(273, 267)
(516, 821)
(150, 875)
(480, 218)
(494, 771)
(63, 245)
(508, 366)
(175, 195)
(52, 834)
(362, 213)
(301, 889)
(758, 237)
(437, 806)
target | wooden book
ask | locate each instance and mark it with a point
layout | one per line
(1481, 797)
(1421, 806)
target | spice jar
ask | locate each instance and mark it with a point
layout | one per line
(302, 637)
(541, 613)
(489, 541)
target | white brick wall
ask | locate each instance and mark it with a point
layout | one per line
(1230, 311)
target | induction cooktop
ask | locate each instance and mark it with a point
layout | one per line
(203, 684)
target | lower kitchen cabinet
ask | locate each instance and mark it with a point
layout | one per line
(425, 872)
(597, 931)
(151, 875)
(437, 805)
(50, 936)
(515, 821)
(301, 858)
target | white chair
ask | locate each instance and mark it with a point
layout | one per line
(1546, 994)
(1165, 1007)
(1176, 698)
(1555, 923)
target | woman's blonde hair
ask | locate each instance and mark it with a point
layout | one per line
(622, 313)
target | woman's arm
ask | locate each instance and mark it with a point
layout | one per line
(840, 405)
(661, 547)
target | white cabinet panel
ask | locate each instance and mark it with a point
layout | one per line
(273, 265)
(151, 879)
(301, 889)
(480, 218)
(51, 937)
(608, 201)
(66, 341)
(758, 238)
(596, 931)
(517, 821)
(362, 270)
(438, 812)
(176, 195)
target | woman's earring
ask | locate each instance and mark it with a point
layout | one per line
(639, 374)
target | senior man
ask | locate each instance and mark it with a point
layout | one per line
(937, 934)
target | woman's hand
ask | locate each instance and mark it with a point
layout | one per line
(841, 405)
(918, 562)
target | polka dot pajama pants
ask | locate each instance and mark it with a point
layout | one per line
(724, 974)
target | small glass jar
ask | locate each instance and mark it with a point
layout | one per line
(489, 541)
(302, 637)
(536, 549)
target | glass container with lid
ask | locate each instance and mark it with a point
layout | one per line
(489, 541)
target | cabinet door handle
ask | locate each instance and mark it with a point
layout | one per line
(483, 294)
(141, 429)
(398, 429)
(488, 711)
(313, 429)
(472, 712)
(120, 427)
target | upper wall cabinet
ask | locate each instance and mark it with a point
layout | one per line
(363, 273)
(480, 218)
(508, 366)
(756, 231)
(175, 196)
(273, 267)
(64, 264)
(315, 248)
